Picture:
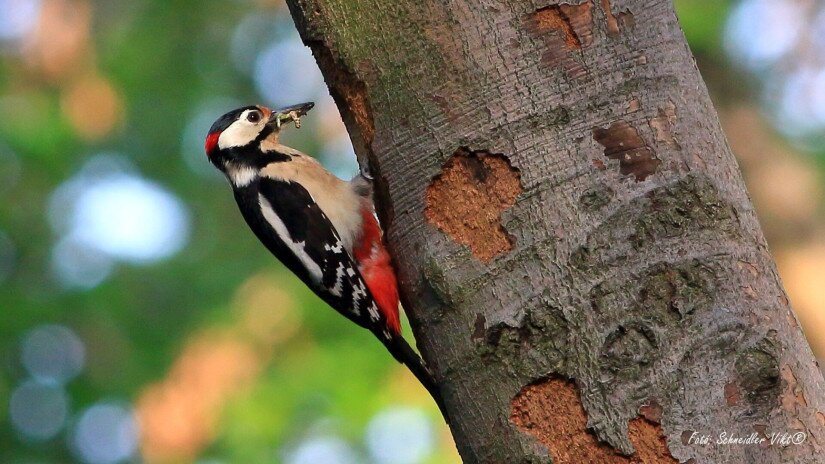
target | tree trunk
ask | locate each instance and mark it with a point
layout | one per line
(578, 256)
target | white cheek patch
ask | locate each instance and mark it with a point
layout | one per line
(239, 133)
(283, 233)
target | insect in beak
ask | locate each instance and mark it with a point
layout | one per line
(290, 113)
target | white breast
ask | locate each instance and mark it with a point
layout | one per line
(241, 176)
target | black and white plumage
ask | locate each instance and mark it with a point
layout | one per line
(308, 218)
(286, 219)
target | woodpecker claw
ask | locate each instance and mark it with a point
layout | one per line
(365, 172)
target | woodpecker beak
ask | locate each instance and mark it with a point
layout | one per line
(290, 113)
(300, 109)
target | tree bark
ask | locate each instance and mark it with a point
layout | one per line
(577, 253)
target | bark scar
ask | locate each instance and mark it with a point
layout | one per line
(551, 411)
(622, 142)
(615, 23)
(560, 18)
(564, 29)
(663, 124)
(467, 198)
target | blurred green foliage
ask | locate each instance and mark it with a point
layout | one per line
(703, 23)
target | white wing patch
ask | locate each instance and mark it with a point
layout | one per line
(359, 291)
(339, 280)
(373, 310)
(338, 248)
(296, 247)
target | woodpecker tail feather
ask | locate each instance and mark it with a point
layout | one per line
(405, 354)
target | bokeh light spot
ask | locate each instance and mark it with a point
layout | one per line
(62, 201)
(400, 435)
(53, 353)
(107, 213)
(329, 450)
(38, 410)
(108, 209)
(76, 265)
(179, 416)
(339, 157)
(286, 73)
(759, 32)
(251, 35)
(61, 39)
(131, 219)
(18, 18)
(93, 107)
(267, 311)
(105, 434)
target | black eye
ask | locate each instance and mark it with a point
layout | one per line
(253, 117)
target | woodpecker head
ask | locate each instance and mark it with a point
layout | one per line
(237, 135)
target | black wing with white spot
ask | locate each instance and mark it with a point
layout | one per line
(292, 226)
(295, 229)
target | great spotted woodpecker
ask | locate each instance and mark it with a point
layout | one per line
(320, 227)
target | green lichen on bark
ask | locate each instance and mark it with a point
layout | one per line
(596, 198)
(681, 288)
(535, 345)
(663, 292)
(758, 376)
(691, 203)
(453, 292)
(375, 46)
(684, 208)
(629, 349)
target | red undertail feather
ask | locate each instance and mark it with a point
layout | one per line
(376, 267)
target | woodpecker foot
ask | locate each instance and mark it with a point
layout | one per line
(366, 173)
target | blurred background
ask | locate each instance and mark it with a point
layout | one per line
(141, 322)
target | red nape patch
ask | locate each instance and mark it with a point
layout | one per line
(376, 268)
(211, 142)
